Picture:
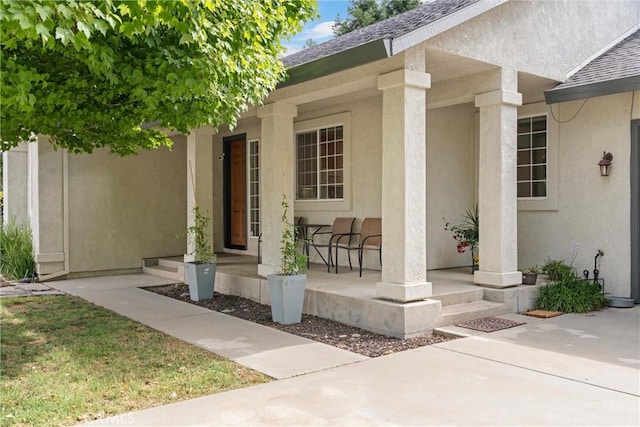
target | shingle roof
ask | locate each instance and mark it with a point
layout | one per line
(617, 70)
(393, 27)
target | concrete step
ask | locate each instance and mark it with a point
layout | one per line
(172, 273)
(456, 313)
(171, 262)
(461, 297)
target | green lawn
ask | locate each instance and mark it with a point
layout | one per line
(66, 361)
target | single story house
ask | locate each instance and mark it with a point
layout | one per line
(505, 104)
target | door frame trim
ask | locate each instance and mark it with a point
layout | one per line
(226, 190)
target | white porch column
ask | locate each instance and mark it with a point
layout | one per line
(497, 196)
(200, 180)
(276, 178)
(404, 259)
(15, 184)
(48, 205)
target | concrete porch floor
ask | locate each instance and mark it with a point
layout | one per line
(347, 298)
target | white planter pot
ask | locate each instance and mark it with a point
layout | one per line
(201, 277)
(287, 297)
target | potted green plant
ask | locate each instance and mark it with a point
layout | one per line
(201, 273)
(466, 235)
(530, 275)
(286, 288)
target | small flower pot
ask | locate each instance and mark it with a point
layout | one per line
(529, 278)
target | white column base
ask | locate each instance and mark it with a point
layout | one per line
(497, 280)
(404, 292)
(265, 269)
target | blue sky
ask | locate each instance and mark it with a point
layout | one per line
(319, 29)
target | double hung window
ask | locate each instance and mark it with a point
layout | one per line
(532, 157)
(320, 164)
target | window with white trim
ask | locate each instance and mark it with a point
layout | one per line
(320, 164)
(532, 157)
(254, 188)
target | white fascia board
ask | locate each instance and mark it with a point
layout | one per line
(601, 52)
(441, 25)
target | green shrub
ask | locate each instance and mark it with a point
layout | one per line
(571, 295)
(557, 269)
(16, 251)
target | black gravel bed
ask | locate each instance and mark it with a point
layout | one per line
(316, 328)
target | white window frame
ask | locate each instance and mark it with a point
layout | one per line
(531, 150)
(249, 189)
(550, 202)
(340, 119)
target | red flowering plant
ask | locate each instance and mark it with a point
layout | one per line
(466, 233)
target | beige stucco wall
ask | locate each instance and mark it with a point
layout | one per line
(15, 184)
(124, 209)
(593, 211)
(545, 38)
(451, 182)
(451, 162)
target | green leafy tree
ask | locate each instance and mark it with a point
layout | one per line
(309, 43)
(362, 13)
(90, 73)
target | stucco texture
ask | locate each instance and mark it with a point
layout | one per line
(593, 211)
(124, 209)
(451, 180)
(545, 38)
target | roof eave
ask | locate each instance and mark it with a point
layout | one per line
(350, 58)
(609, 87)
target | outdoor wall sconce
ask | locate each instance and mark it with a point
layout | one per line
(605, 163)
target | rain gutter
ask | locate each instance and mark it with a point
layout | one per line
(609, 87)
(385, 47)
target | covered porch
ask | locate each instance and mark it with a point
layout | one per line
(347, 298)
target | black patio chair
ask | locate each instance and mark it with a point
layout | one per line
(370, 239)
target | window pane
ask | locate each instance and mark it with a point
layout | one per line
(539, 173)
(524, 125)
(524, 190)
(524, 157)
(539, 189)
(339, 132)
(539, 156)
(524, 141)
(524, 173)
(538, 123)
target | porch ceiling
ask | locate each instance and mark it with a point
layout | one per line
(443, 67)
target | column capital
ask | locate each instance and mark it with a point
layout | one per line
(277, 109)
(499, 96)
(404, 77)
(202, 131)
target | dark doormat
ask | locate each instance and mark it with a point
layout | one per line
(489, 324)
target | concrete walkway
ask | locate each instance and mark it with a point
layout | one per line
(275, 353)
(575, 369)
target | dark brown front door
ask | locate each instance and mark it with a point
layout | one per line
(237, 194)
